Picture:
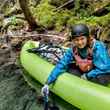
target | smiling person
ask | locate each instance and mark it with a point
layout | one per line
(88, 58)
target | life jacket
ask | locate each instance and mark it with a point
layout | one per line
(86, 64)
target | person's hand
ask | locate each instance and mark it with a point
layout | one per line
(45, 90)
(84, 77)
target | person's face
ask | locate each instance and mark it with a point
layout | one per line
(80, 42)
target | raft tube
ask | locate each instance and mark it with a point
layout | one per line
(78, 92)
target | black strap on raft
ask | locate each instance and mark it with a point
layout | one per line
(49, 51)
(37, 50)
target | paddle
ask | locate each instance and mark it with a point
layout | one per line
(46, 102)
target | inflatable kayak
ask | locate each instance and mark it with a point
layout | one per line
(78, 92)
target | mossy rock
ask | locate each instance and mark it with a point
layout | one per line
(58, 2)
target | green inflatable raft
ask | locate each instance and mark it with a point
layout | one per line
(78, 92)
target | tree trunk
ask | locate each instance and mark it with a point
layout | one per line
(28, 16)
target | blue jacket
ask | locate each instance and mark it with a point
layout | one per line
(101, 61)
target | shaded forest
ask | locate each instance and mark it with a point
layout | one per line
(45, 15)
(45, 21)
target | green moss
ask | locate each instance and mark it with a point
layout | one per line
(44, 14)
(58, 2)
(105, 20)
(47, 16)
(92, 20)
(62, 18)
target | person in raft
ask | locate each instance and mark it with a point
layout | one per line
(90, 57)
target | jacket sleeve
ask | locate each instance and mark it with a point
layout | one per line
(101, 60)
(61, 66)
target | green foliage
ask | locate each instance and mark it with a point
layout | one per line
(104, 20)
(48, 16)
(108, 8)
(58, 2)
(82, 8)
(45, 14)
(62, 18)
(13, 20)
